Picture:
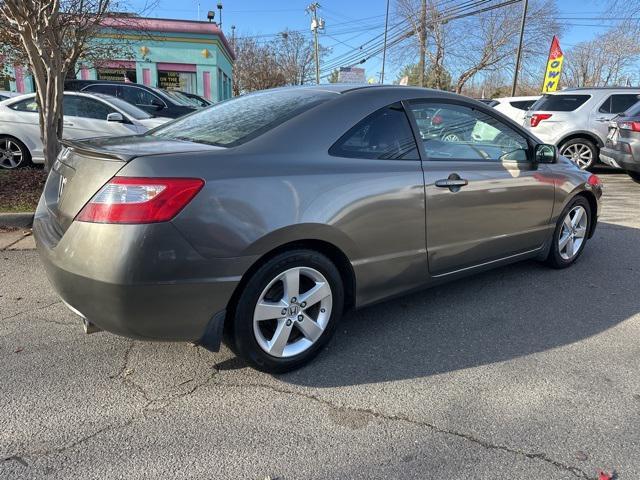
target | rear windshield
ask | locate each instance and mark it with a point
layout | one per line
(522, 104)
(632, 111)
(560, 103)
(241, 119)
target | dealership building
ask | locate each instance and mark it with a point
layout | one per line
(185, 55)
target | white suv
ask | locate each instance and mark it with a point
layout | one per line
(577, 119)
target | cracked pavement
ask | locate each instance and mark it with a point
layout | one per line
(520, 373)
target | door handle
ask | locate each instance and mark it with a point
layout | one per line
(67, 124)
(453, 182)
(603, 119)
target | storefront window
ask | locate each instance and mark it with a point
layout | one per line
(5, 82)
(118, 74)
(183, 81)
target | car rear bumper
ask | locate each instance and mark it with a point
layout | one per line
(619, 159)
(139, 281)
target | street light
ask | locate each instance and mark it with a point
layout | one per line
(220, 14)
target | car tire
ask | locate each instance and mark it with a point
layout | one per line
(10, 148)
(570, 235)
(581, 151)
(635, 176)
(297, 331)
(451, 136)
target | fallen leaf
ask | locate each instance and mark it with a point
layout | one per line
(17, 350)
(582, 456)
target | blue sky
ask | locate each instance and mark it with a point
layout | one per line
(349, 23)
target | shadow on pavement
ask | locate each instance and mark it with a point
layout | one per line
(491, 317)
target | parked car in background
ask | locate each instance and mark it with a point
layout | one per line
(622, 147)
(153, 100)
(85, 115)
(4, 95)
(515, 107)
(270, 214)
(577, 119)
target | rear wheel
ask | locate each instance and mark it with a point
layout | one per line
(570, 235)
(287, 311)
(580, 151)
(13, 153)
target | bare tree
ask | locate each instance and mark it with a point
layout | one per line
(606, 61)
(256, 66)
(482, 42)
(51, 35)
(295, 57)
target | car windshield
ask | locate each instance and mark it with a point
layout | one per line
(126, 107)
(175, 98)
(560, 103)
(241, 119)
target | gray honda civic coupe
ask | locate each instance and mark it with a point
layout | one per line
(262, 219)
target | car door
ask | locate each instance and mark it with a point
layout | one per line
(142, 98)
(485, 199)
(385, 214)
(24, 125)
(604, 112)
(87, 117)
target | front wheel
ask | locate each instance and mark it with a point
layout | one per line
(287, 311)
(570, 235)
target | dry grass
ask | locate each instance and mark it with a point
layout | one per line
(20, 189)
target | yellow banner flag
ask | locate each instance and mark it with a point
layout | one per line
(554, 67)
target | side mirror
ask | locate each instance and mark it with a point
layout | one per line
(157, 104)
(115, 117)
(545, 153)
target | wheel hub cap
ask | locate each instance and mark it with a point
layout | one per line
(292, 312)
(573, 232)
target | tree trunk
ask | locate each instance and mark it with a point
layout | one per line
(51, 117)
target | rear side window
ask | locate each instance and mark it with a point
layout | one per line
(385, 134)
(138, 96)
(618, 103)
(522, 104)
(560, 103)
(241, 119)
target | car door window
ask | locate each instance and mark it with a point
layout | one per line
(106, 89)
(385, 134)
(618, 103)
(79, 106)
(138, 96)
(456, 132)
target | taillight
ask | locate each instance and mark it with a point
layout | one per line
(633, 126)
(140, 200)
(536, 118)
(594, 181)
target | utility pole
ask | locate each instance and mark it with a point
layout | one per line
(233, 38)
(423, 41)
(384, 48)
(519, 54)
(315, 25)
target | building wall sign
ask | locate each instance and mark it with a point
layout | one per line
(117, 74)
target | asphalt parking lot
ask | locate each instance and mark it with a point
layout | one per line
(520, 373)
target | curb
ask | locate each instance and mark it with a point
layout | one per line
(16, 220)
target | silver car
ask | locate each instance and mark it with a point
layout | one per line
(269, 215)
(576, 120)
(622, 148)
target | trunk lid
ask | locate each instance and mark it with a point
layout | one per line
(83, 167)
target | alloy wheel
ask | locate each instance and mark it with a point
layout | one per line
(578, 153)
(292, 312)
(451, 137)
(573, 232)
(10, 154)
